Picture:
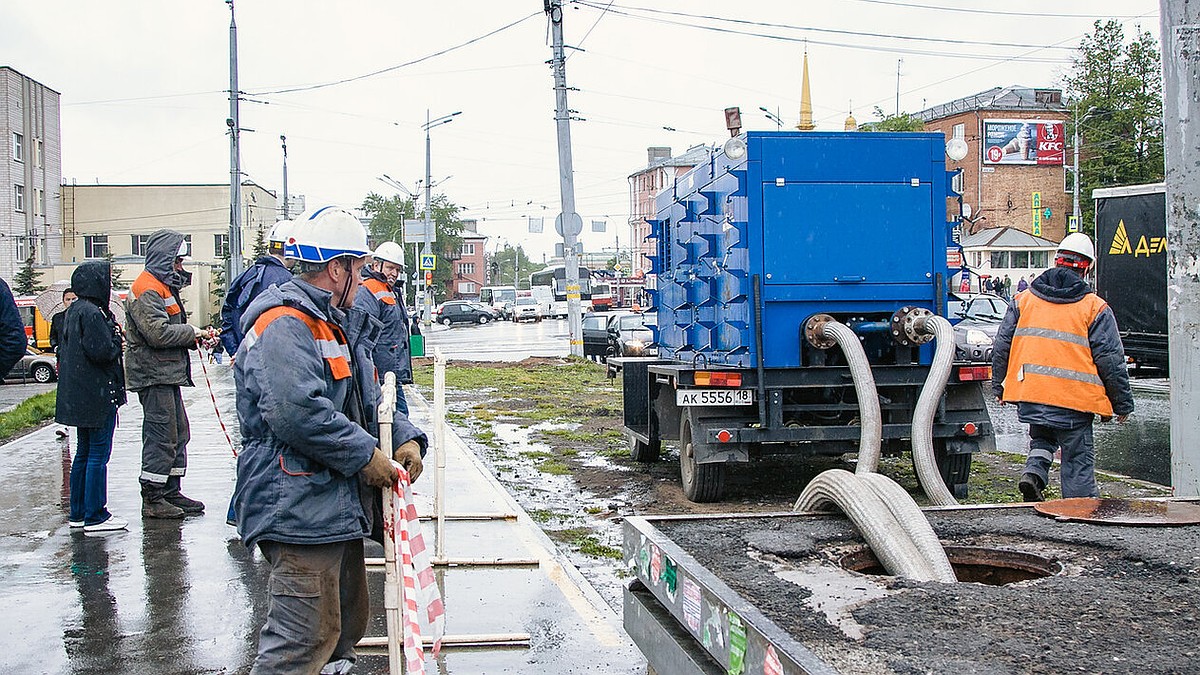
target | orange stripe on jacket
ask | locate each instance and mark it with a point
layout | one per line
(380, 290)
(148, 282)
(331, 341)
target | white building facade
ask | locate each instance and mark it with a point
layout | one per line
(31, 173)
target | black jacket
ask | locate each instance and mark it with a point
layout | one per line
(91, 379)
(12, 331)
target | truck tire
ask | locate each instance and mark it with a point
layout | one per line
(645, 452)
(701, 482)
(954, 468)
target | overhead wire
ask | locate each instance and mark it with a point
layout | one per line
(994, 12)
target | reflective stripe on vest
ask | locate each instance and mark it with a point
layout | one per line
(1051, 358)
(331, 341)
(380, 290)
(148, 282)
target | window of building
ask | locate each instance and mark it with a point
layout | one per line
(137, 244)
(24, 251)
(1019, 259)
(1039, 258)
(960, 131)
(466, 269)
(467, 249)
(95, 246)
(999, 259)
(221, 245)
(39, 202)
(18, 147)
(39, 149)
(19, 198)
(466, 287)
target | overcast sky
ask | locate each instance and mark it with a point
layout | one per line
(144, 84)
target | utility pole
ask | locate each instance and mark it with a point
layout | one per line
(569, 224)
(1181, 124)
(1075, 174)
(429, 224)
(898, 63)
(236, 264)
(287, 215)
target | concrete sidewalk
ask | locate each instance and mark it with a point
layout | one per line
(187, 597)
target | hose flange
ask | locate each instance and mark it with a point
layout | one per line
(908, 326)
(814, 331)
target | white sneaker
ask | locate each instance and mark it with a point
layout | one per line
(113, 523)
(75, 523)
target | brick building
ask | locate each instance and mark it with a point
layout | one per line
(469, 271)
(644, 186)
(1013, 173)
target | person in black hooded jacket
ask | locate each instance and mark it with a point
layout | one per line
(91, 386)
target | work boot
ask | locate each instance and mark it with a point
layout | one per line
(1031, 487)
(160, 508)
(188, 505)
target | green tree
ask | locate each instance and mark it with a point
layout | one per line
(26, 280)
(1115, 89)
(260, 244)
(218, 287)
(901, 122)
(387, 224)
(115, 273)
(510, 267)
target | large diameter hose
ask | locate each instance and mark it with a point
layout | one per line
(888, 539)
(927, 405)
(914, 523)
(869, 417)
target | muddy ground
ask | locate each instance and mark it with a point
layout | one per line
(550, 430)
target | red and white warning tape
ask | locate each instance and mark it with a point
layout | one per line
(216, 407)
(422, 601)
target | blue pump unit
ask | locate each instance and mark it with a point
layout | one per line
(848, 224)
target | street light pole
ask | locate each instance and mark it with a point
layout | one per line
(287, 214)
(427, 235)
(236, 264)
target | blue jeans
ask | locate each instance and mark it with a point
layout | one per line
(89, 473)
(401, 402)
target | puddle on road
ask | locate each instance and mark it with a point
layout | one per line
(833, 591)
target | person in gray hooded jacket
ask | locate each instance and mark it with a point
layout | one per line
(157, 364)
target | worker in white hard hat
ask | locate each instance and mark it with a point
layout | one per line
(307, 401)
(378, 297)
(269, 270)
(1058, 356)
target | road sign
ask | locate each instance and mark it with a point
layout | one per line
(414, 231)
(1072, 224)
(428, 261)
(573, 224)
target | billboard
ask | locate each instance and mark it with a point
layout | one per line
(1036, 142)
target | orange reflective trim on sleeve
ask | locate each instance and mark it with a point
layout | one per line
(148, 282)
(331, 341)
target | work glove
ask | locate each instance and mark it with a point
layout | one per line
(200, 332)
(379, 471)
(409, 456)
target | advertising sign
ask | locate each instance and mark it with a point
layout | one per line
(1036, 142)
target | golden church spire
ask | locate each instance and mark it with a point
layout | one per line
(806, 118)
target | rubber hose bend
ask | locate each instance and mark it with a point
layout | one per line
(871, 517)
(914, 523)
(869, 416)
(927, 405)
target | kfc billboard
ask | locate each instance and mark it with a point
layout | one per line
(1023, 142)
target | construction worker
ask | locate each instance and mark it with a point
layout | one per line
(269, 270)
(306, 399)
(1058, 356)
(157, 364)
(378, 298)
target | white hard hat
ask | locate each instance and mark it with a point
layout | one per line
(1079, 244)
(279, 236)
(185, 249)
(390, 251)
(327, 233)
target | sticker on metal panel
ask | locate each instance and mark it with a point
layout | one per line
(737, 645)
(644, 561)
(670, 577)
(771, 663)
(655, 564)
(691, 604)
(714, 634)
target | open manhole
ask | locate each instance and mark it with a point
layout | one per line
(992, 566)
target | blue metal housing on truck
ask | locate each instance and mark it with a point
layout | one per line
(857, 227)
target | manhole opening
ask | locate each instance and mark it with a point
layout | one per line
(992, 566)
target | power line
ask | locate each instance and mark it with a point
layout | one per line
(968, 10)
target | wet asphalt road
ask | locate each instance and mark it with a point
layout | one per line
(12, 393)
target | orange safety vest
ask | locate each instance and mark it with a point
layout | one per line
(148, 282)
(331, 341)
(380, 290)
(1051, 358)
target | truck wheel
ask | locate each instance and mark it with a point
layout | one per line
(954, 468)
(645, 452)
(701, 482)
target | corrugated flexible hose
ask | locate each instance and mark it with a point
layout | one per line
(914, 523)
(869, 417)
(927, 404)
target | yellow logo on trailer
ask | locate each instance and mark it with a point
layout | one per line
(1121, 245)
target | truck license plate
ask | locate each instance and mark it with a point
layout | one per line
(714, 396)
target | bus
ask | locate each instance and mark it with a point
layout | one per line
(499, 298)
(555, 279)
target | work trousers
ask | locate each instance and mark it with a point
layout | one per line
(89, 473)
(165, 435)
(318, 607)
(1078, 461)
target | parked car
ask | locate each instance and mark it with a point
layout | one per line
(595, 335)
(979, 320)
(526, 309)
(630, 334)
(34, 366)
(463, 311)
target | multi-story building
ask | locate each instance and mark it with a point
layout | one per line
(661, 171)
(1014, 170)
(117, 220)
(30, 217)
(469, 272)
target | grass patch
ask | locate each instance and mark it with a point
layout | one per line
(546, 515)
(488, 438)
(554, 467)
(584, 541)
(29, 414)
(537, 454)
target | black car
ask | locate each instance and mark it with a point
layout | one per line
(463, 311)
(631, 335)
(595, 335)
(980, 320)
(34, 366)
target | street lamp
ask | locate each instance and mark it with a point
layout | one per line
(773, 116)
(427, 244)
(1075, 171)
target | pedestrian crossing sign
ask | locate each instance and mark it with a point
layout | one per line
(428, 261)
